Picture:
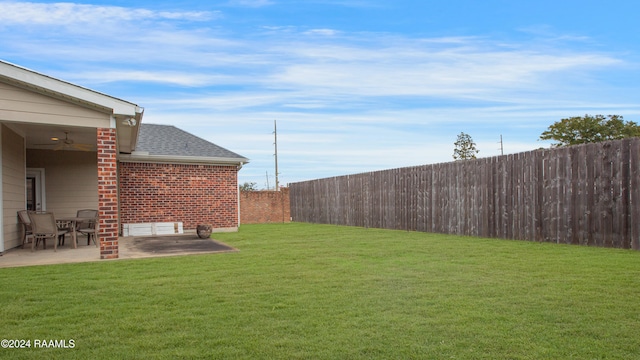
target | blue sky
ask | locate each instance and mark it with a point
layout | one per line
(355, 85)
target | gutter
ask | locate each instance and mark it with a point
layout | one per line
(176, 159)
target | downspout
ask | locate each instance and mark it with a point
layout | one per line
(118, 189)
(114, 124)
(238, 192)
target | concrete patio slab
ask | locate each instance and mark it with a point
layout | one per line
(129, 248)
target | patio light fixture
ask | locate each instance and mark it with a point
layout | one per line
(129, 122)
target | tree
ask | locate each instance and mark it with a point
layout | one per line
(465, 147)
(588, 129)
(248, 186)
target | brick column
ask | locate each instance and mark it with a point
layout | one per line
(107, 193)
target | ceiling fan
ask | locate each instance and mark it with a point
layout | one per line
(68, 144)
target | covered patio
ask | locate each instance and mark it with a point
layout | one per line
(59, 146)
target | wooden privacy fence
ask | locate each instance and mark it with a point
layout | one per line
(586, 194)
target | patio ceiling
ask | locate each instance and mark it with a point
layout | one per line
(39, 136)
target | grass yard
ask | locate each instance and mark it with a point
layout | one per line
(302, 291)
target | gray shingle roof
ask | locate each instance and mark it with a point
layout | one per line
(168, 140)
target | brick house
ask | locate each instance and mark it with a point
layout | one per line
(174, 176)
(64, 147)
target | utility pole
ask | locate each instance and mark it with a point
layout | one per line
(267, 174)
(501, 147)
(275, 135)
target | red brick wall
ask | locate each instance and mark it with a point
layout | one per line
(107, 193)
(257, 207)
(192, 194)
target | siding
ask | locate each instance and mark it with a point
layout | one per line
(21, 105)
(13, 186)
(71, 179)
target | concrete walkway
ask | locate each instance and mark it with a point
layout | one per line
(129, 248)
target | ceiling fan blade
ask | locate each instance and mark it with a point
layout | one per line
(83, 147)
(72, 147)
(67, 143)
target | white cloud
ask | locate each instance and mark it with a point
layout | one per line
(307, 72)
(71, 13)
(407, 71)
(322, 32)
(225, 102)
(188, 79)
(251, 3)
(345, 102)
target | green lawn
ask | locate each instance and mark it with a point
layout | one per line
(301, 291)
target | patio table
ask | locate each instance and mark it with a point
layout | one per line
(73, 222)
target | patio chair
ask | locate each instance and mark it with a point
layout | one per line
(23, 217)
(87, 227)
(44, 227)
(63, 225)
